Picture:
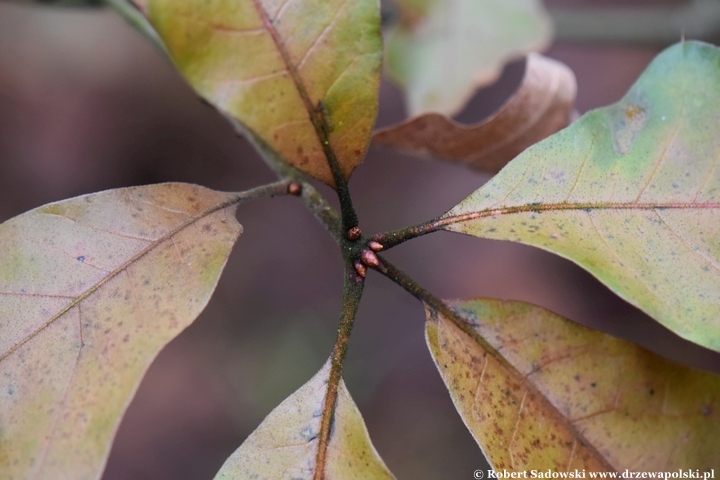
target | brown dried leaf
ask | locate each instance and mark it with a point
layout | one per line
(442, 50)
(541, 106)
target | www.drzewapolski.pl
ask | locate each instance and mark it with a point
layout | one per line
(680, 473)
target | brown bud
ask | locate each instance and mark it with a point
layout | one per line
(369, 258)
(353, 234)
(375, 246)
(294, 188)
(360, 269)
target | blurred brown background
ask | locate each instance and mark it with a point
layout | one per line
(86, 104)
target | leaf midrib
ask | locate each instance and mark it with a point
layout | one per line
(468, 329)
(554, 207)
(316, 117)
(112, 274)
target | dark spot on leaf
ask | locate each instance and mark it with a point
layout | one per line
(308, 434)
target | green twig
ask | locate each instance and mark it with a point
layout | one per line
(432, 302)
(396, 237)
(352, 293)
(270, 190)
(313, 200)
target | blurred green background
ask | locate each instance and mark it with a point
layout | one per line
(86, 104)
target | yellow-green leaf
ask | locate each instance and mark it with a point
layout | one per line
(542, 105)
(285, 445)
(301, 75)
(91, 289)
(631, 192)
(538, 391)
(442, 50)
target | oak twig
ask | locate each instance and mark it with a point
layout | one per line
(352, 293)
(270, 190)
(313, 200)
(428, 299)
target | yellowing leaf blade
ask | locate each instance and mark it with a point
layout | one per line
(630, 192)
(540, 392)
(285, 444)
(542, 105)
(302, 76)
(91, 289)
(443, 50)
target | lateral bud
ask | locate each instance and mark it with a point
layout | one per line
(369, 258)
(375, 246)
(360, 269)
(353, 234)
(294, 188)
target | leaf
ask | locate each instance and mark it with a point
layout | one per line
(285, 444)
(301, 75)
(442, 50)
(541, 106)
(543, 392)
(91, 289)
(630, 192)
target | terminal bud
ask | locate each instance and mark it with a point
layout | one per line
(375, 246)
(369, 258)
(294, 188)
(360, 269)
(353, 234)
